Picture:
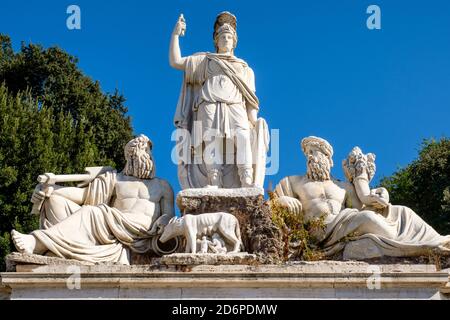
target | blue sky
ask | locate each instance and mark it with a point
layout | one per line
(319, 69)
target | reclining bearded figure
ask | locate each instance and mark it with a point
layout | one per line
(102, 222)
(358, 221)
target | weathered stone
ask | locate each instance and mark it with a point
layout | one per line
(445, 290)
(5, 292)
(187, 259)
(16, 258)
(310, 280)
(142, 259)
(259, 234)
(357, 220)
(78, 234)
(195, 200)
(440, 262)
(219, 192)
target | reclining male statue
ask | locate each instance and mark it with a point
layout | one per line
(115, 213)
(357, 220)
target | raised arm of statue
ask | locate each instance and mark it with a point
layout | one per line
(359, 169)
(371, 198)
(175, 59)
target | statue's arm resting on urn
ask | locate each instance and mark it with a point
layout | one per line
(377, 198)
(175, 59)
(166, 207)
(360, 169)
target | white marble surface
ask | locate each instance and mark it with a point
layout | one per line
(93, 223)
(193, 227)
(312, 280)
(351, 211)
(218, 103)
(222, 192)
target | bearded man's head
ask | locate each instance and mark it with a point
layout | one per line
(319, 155)
(139, 159)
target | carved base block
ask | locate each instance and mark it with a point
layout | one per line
(18, 259)
(259, 235)
(445, 290)
(187, 259)
(302, 280)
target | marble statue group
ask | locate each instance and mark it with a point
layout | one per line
(112, 214)
(371, 226)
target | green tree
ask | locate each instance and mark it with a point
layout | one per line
(52, 119)
(424, 185)
(54, 80)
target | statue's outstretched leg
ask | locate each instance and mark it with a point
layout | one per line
(55, 210)
(369, 222)
(27, 243)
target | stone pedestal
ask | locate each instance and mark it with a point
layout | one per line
(445, 290)
(16, 260)
(189, 259)
(5, 292)
(300, 280)
(259, 235)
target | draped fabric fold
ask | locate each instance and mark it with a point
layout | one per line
(97, 232)
(192, 96)
(400, 233)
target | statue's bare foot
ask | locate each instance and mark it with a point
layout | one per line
(25, 243)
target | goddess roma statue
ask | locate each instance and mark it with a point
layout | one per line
(218, 108)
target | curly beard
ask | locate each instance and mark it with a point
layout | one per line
(140, 165)
(318, 168)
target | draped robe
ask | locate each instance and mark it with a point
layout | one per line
(196, 89)
(96, 232)
(404, 232)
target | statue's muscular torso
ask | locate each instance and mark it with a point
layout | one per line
(132, 195)
(321, 198)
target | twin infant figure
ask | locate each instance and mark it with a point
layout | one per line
(215, 244)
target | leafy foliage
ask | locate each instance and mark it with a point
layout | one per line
(52, 119)
(424, 185)
(300, 242)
